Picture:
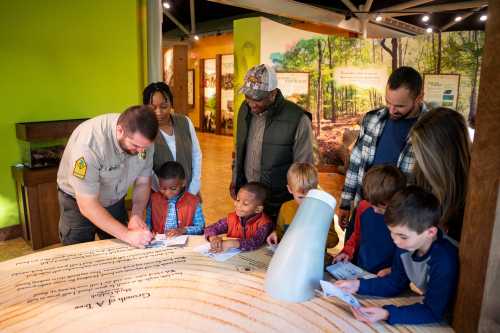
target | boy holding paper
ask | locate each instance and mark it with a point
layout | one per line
(425, 257)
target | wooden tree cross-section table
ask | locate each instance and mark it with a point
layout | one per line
(107, 286)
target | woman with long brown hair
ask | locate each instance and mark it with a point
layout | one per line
(441, 145)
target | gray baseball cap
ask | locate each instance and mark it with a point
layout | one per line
(259, 81)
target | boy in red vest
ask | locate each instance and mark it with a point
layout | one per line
(248, 224)
(172, 210)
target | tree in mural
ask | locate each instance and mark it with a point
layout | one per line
(337, 106)
(307, 55)
(319, 87)
(463, 54)
(331, 85)
(393, 51)
(340, 52)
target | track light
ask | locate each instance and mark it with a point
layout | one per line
(196, 38)
(379, 18)
(166, 5)
(483, 17)
(458, 18)
(425, 18)
(428, 30)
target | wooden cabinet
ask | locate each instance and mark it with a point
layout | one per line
(38, 205)
(36, 188)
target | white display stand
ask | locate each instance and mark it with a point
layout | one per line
(107, 286)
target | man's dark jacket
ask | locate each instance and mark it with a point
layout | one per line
(282, 121)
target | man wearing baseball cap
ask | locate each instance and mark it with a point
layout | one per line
(272, 133)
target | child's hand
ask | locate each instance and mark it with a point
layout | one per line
(341, 257)
(349, 286)
(215, 244)
(175, 232)
(384, 272)
(370, 315)
(272, 239)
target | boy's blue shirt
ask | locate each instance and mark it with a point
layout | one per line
(435, 273)
(196, 228)
(376, 248)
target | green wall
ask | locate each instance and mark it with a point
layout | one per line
(62, 60)
(246, 34)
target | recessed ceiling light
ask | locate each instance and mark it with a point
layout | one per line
(196, 37)
(379, 18)
(458, 18)
(166, 5)
(428, 30)
(483, 17)
(425, 18)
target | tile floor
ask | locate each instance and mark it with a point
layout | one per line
(216, 176)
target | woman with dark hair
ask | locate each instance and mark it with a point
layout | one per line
(441, 145)
(176, 140)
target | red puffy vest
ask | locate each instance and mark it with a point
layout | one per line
(185, 206)
(235, 229)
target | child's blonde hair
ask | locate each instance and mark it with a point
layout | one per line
(302, 177)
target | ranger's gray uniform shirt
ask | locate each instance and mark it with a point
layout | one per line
(94, 164)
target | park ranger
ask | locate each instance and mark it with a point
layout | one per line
(104, 156)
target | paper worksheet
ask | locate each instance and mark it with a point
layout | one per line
(222, 256)
(348, 271)
(161, 240)
(330, 289)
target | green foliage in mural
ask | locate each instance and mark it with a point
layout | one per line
(337, 107)
(456, 52)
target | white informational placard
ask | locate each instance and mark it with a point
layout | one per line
(441, 90)
(362, 77)
(293, 83)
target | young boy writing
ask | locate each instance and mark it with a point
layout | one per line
(301, 177)
(371, 242)
(425, 257)
(247, 225)
(173, 211)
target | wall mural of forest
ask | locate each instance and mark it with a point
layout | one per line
(338, 105)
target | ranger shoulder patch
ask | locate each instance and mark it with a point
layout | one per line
(80, 169)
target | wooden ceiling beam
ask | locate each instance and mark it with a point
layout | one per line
(193, 17)
(291, 9)
(401, 25)
(464, 5)
(176, 22)
(404, 5)
(368, 5)
(350, 5)
(311, 14)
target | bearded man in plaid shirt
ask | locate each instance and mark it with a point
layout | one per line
(383, 138)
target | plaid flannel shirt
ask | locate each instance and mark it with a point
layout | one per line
(363, 154)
